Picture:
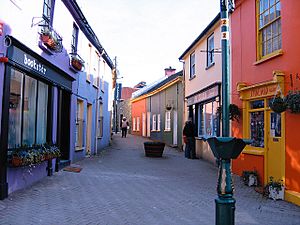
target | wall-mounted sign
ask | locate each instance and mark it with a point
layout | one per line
(204, 95)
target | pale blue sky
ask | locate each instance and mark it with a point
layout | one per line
(147, 35)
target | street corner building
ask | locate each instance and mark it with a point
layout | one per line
(55, 91)
(156, 109)
(265, 66)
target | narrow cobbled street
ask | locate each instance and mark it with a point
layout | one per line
(122, 186)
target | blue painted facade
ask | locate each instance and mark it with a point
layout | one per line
(31, 70)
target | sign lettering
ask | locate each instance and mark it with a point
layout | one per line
(34, 65)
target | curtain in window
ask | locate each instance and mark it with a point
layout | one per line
(15, 109)
(29, 111)
(42, 113)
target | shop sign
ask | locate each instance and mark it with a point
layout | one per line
(262, 91)
(202, 96)
(38, 66)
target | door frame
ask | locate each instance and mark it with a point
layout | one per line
(88, 149)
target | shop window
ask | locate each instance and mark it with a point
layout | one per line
(168, 121)
(269, 27)
(192, 65)
(257, 128)
(208, 121)
(27, 111)
(210, 51)
(79, 125)
(100, 121)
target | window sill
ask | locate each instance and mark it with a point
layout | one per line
(95, 86)
(88, 81)
(79, 149)
(211, 65)
(191, 78)
(167, 130)
(271, 56)
(253, 151)
(99, 137)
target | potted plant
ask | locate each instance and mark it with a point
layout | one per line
(250, 178)
(278, 104)
(293, 101)
(234, 112)
(76, 62)
(275, 189)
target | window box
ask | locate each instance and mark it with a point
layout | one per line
(27, 156)
(76, 61)
(51, 39)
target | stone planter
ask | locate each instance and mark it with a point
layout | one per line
(154, 149)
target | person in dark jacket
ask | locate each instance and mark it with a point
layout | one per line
(189, 133)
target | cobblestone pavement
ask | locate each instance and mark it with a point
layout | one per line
(122, 186)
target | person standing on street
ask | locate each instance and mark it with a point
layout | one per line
(189, 138)
(124, 125)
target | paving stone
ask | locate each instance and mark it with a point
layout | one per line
(122, 186)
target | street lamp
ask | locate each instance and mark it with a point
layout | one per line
(225, 148)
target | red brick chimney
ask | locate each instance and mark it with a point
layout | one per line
(169, 71)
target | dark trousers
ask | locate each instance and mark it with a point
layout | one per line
(190, 152)
(124, 132)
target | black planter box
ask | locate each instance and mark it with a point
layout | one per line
(154, 149)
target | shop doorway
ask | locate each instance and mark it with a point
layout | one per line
(275, 156)
(88, 129)
(63, 126)
(148, 124)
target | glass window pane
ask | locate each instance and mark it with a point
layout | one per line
(15, 109)
(29, 111)
(272, 13)
(278, 9)
(266, 17)
(269, 46)
(266, 4)
(208, 119)
(257, 128)
(257, 104)
(42, 113)
(272, 2)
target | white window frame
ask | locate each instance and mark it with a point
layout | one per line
(154, 122)
(192, 65)
(168, 121)
(138, 124)
(134, 124)
(210, 58)
(158, 122)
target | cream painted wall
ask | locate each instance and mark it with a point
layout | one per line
(204, 77)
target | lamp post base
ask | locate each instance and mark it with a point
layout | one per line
(225, 208)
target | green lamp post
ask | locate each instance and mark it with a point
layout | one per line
(225, 148)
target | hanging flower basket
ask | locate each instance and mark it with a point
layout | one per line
(278, 104)
(234, 112)
(292, 101)
(76, 63)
